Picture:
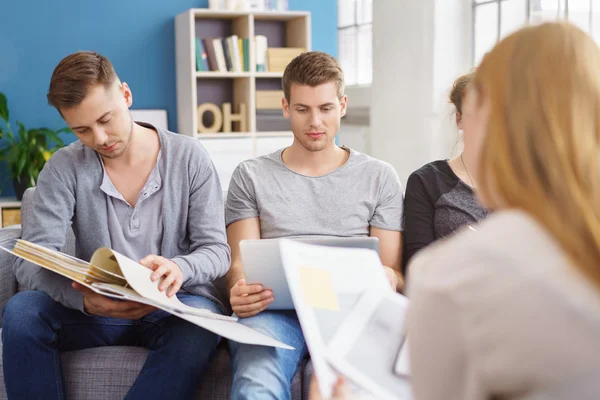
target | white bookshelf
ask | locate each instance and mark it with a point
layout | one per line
(283, 29)
(296, 34)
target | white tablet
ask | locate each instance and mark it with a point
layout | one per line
(262, 263)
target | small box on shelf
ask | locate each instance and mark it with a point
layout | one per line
(269, 99)
(279, 57)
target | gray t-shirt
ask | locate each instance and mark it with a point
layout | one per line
(363, 192)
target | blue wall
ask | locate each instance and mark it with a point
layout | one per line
(138, 36)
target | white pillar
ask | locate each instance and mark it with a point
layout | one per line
(419, 47)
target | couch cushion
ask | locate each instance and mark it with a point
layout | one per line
(102, 372)
(307, 373)
(108, 372)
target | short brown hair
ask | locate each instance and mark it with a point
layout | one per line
(313, 68)
(75, 74)
(459, 89)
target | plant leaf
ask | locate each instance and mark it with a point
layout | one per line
(3, 107)
(42, 140)
(22, 131)
(17, 172)
(66, 129)
(53, 136)
(9, 132)
(12, 154)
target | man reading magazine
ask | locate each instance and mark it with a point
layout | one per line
(147, 193)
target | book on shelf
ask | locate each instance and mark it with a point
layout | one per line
(114, 275)
(201, 56)
(227, 54)
(224, 54)
(246, 51)
(260, 46)
(210, 54)
(219, 54)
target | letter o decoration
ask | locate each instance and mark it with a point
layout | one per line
(217, 118)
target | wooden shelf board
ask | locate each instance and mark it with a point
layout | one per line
(259, 15)
(224, 135)
(280, 16)
(223, 75)
(220, 14)
(269, 74)
(238, 135)
(275, 134)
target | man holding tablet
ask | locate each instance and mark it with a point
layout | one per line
(312, 188)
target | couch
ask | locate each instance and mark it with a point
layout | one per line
(108, 372)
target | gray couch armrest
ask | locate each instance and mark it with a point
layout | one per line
(8, 282)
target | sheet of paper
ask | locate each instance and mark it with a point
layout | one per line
(402, 366)
(317, 287)
(129, 294)
(138, 277)
(293, 256)
(235, 331)
(351, 272)
(356, 349)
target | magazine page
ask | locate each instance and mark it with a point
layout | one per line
(370, 342)
(138, 278)
(69, 267)
(325, 283)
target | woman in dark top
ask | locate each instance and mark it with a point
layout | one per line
(440, 195)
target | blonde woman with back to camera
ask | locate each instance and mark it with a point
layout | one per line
(512, 311)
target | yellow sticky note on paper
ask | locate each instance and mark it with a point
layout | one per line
(317, 287)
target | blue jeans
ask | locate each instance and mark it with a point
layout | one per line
(35, 329)
(261, 372)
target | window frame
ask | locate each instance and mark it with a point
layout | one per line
(356, 25)
(559, 15)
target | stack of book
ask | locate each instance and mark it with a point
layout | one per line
(232, 54)
(229, 54)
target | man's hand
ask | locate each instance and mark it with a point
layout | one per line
(395, 279)
(340, 392)
(163, 267)
(249, 300)
(97, 304)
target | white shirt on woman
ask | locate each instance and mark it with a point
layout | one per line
(502, 312)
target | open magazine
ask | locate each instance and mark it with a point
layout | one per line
(352, 320)
(114, 275)
(370, 347)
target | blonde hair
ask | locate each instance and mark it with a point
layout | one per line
(541, 152)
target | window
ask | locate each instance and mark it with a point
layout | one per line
(494, 19)
(355, 44)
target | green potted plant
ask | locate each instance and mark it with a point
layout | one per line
(27, 151)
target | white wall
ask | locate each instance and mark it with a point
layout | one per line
(419, 48)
